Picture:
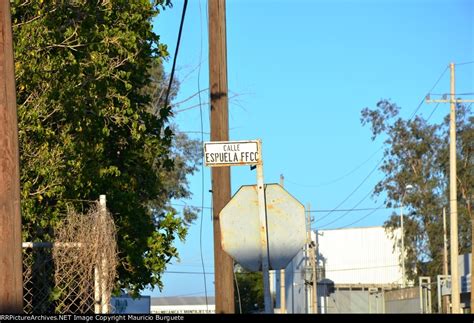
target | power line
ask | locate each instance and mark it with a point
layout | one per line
(432, 112)
(311, 211)
(456, 94)
(296, 271)
(186, 272)
(464, 63)
(351, 210)
(432, 88)
(352, 193)
(348, 211)
(202, 158)
(176, 52)
(339, 178)
(381, 160)
(362, 218)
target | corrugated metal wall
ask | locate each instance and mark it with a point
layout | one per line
(295, 288)
(403, 301)
(355, 301)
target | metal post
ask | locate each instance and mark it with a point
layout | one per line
(420, 282)
(438, 286)
(403, 246)
(445, 262)
(11, 275)
(97, 292)
(104, 293)
(309, 302)
(282, 272)
(263, 232)
(221, 194)
(453, 202)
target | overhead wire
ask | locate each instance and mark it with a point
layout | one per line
(339, 178)
(380, 161)
(464, 63)
(352, 193)
(362, 218)
(202, 159)
(296, 271)
(183, 16)
(311, 211)
(347, 212)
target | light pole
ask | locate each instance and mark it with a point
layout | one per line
(407, 188)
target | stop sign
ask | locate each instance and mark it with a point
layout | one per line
(239, 224)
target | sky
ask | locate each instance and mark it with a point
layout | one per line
(299, 73)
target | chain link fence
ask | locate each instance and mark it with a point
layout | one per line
(77, 274)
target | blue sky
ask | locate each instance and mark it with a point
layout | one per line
(299, 74)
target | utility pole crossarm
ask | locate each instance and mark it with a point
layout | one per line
(449, 101)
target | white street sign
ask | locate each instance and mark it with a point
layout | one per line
(231, 153)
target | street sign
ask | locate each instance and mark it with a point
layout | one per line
(240, 227)
(231, 153)
(236, 153)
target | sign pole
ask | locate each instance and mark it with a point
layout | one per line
(262, 212)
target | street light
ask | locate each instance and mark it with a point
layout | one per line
(407, 188)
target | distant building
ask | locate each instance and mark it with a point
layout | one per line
(359, 256)
(350, 262)
(127, 305)
(183, 305)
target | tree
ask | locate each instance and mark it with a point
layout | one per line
(88, 126)
(250, 287)
(417, 153)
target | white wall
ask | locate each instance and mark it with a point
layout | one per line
(360, 256)
(182, 309)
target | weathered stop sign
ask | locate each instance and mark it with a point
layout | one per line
(240, 227)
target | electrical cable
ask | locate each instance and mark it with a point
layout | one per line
(311, 211)
(183, 15)
(238, 291)
(432, 112)
(381, 160)
(352, 193)
(346, 213)
(296, 271)
(464, 63)
(362, 218)
(339, 178)
(350, 210)
(202, 159)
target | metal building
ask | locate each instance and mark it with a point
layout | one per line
(355, 266)
(359, 256)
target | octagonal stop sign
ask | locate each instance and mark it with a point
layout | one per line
(240, 227)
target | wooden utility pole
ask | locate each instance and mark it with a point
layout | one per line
(453, 201)
(282, 271)
(11, 275)
(223, 263)
(445, 261)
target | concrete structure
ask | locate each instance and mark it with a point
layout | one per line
(183, 305)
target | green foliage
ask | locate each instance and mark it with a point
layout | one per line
(250, 286)
(417, 153)
(85, 71)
